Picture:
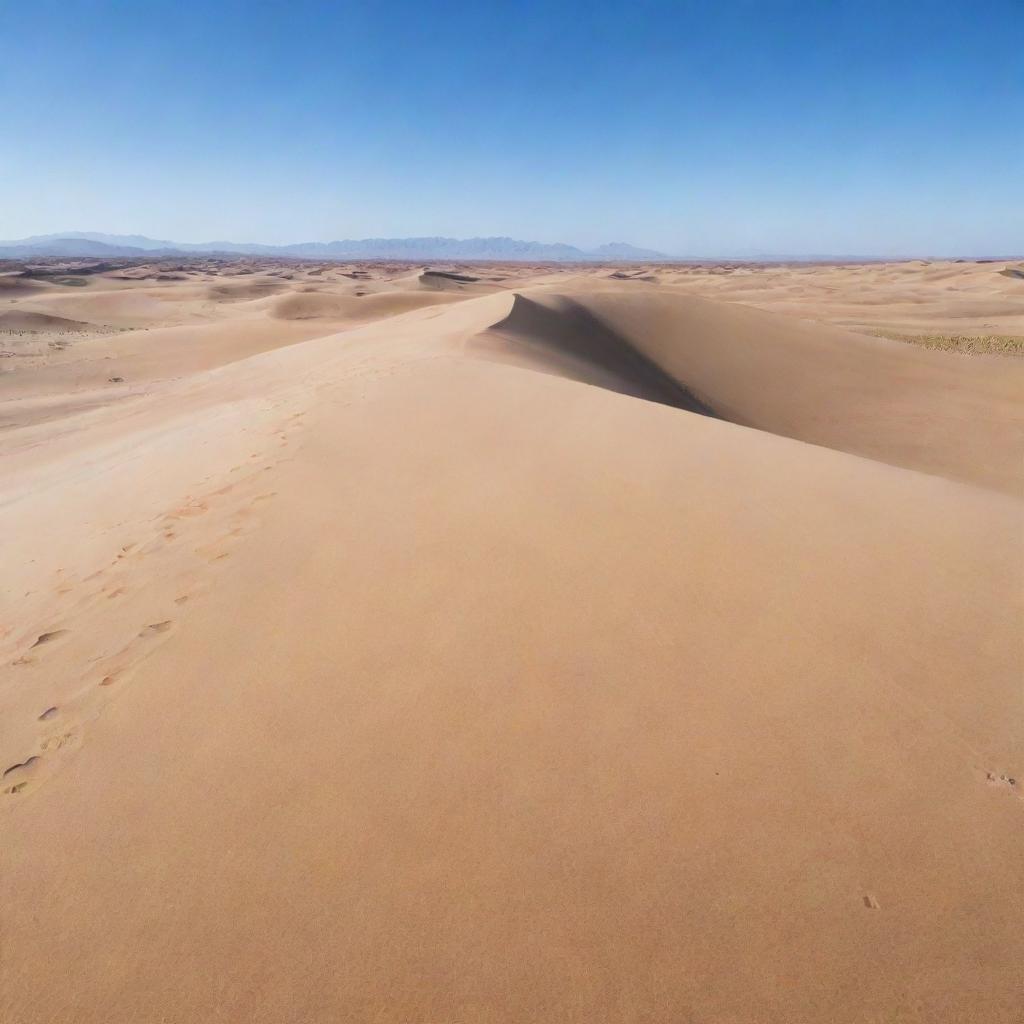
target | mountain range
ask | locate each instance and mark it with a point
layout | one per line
(86, 243)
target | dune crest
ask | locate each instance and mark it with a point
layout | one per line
(560, 335)
(826, 386)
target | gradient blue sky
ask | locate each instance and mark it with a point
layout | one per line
(697, 128)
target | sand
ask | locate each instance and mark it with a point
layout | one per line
(547, 647)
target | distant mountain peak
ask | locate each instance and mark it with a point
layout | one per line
(499, 247)
(625, 251)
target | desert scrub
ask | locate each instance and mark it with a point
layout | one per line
(966, 344)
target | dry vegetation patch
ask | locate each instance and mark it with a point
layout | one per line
(966, 344)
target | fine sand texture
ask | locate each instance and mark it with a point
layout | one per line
(505, 644)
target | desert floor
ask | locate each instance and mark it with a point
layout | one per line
(472, 644)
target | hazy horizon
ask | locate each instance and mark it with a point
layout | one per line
(864, 129)
(128, 239)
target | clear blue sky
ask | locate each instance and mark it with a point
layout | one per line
(821, 126)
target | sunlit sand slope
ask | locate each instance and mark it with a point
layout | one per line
(380, 676)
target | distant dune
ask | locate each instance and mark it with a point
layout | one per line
(327, 306)
(25, 320)
(510, 643)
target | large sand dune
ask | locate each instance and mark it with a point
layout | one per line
(564, 648)
(961, 418)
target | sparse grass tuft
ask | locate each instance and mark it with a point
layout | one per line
(965, 344)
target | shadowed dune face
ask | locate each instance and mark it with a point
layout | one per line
(454, 281)
(562, 336)
(443, 277)
(553, 647)
(16, 286)
(867, 396)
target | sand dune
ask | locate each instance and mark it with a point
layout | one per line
(342, 308)
(14, 285)
(25, 320)
(563, 336)
(807, 381)
(581, 649)
(444, 280)
(118, 307)
(242, 291)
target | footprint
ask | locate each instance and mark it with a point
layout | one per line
(46, 638)
(124, 662)
(20, 774)
(62, 740)
(1001, 780)
(21, 765)
(871, 902)
(199, 508)
(48, 714)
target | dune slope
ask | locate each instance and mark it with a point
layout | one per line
(896, 403)
(382, 677)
